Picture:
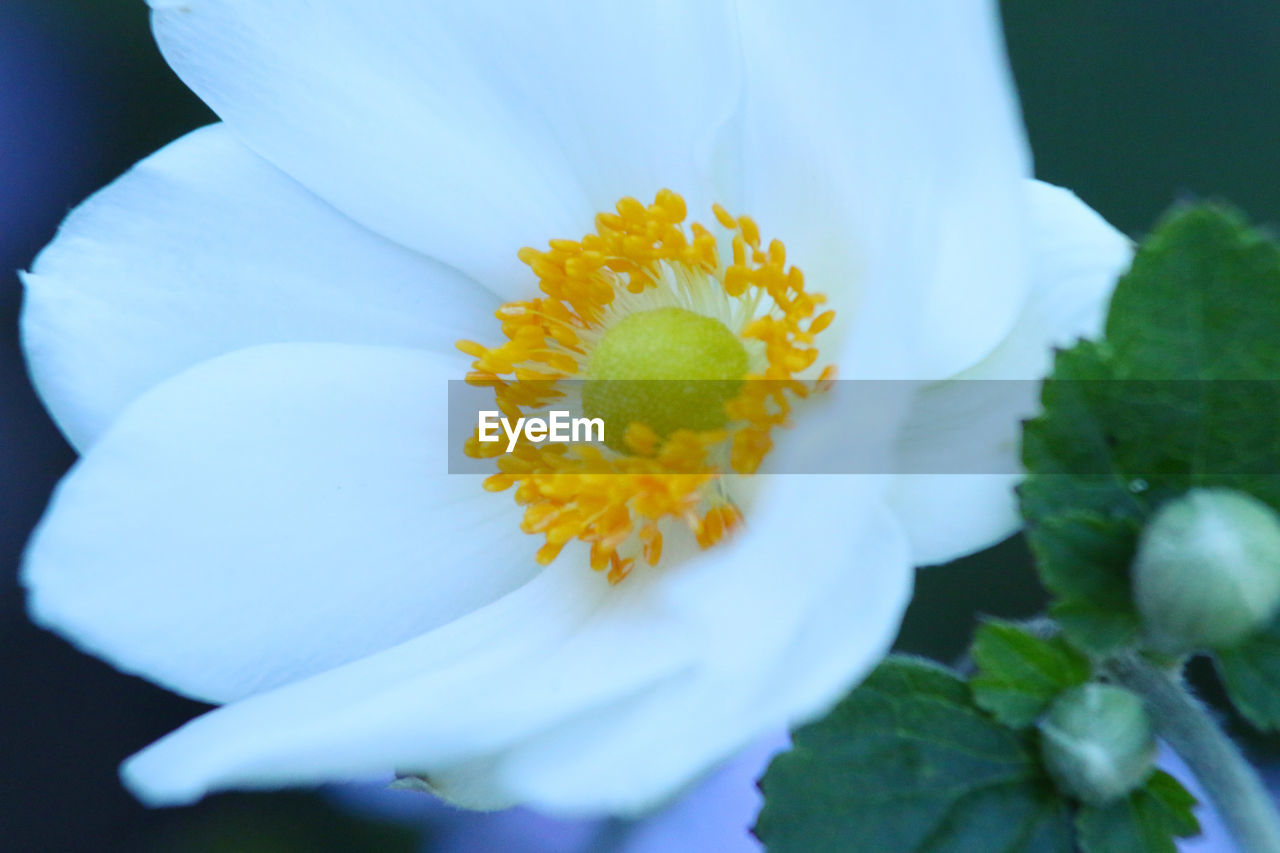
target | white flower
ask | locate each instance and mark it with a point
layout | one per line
(248, 337)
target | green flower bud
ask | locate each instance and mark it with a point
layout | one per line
(1097, 742)
(1207, 572)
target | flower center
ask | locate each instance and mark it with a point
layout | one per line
(691, 343)
(666, 369)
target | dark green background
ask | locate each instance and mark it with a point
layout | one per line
(1132, 103)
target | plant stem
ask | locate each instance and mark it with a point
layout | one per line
(1230, 781)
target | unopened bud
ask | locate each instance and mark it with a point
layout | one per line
(1207, 572)
(1097, 743)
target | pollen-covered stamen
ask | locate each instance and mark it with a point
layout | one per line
(611, 304)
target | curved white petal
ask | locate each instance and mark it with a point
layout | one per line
(970, 426)
(563, 644)
(466, 131)
(718, 813)
(792, 616)
(952, 515)
(883, 144)
(1076, 258)
(579, 697)
(204, 248)
(268, 515)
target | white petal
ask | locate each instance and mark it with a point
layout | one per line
(1076, 258)
(580, 697)
(883, 144)
(563, 644)
(717, 814)
(466, 131)
(973, 422)
(951, 515)
(268, 515)
(791, 616)
(204, 248)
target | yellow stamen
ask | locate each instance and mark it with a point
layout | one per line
(643, 258)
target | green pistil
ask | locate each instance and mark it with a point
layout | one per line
(668, 369)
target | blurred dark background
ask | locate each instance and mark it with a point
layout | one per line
(1131, 103)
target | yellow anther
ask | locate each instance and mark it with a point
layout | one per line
(641, 438)
(673, 204)
(777, 254)
(821, 322)
(547, 554)
(608, 222)
(631, 211)
(652, 540)
(498, 483)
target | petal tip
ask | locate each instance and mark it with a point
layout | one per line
(158, 783)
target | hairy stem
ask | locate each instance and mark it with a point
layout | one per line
(1230, 781)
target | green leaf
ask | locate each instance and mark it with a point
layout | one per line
(1177, 802)
(1182, 392)
(1020, 674)
(1200, 300)
(1083, 558)
(1147, 821)
(908, 764)
(1250, 673)
(1096, 631)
